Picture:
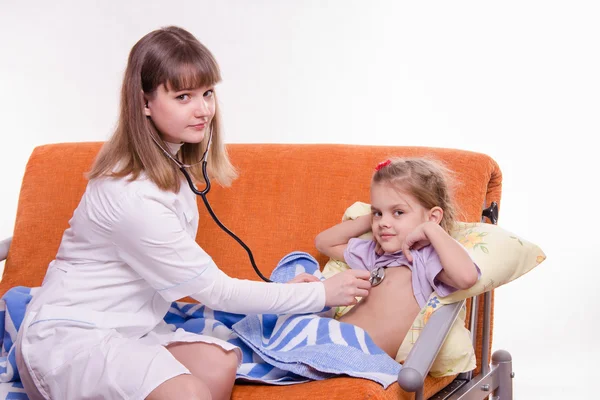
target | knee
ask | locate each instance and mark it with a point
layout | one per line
(181, 387)
(213, 365)
(225, 367)
(194, 388)
(222, 376)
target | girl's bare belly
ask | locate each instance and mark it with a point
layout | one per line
(389, 310)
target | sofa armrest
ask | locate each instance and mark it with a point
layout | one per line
(4, 246)
(421, 357)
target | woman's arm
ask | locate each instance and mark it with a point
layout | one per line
(459, 271)
(333, 241)
(221, 292)
(150, 239)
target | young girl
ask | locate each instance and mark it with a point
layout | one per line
(95, 328)
(412, 212)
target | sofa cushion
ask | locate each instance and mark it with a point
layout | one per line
(336, 388)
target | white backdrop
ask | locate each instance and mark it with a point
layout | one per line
(518, 80)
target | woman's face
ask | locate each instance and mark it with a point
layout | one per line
(182, 116)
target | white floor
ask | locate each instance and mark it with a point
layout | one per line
(554, 377)
(562, 389)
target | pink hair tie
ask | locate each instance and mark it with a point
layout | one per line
(383, 164)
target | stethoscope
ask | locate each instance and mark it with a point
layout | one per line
(204, 192)
(375, 279)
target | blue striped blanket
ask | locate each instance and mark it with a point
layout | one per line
(277, 349)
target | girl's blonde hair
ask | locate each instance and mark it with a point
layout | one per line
(174, 58)
(429, 181)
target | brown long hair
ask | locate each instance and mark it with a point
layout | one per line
(428, 180)
(172, 57)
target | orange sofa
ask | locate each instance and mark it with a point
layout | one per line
(284, 196)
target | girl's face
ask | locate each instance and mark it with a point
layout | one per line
(394, 214)
(182, 116)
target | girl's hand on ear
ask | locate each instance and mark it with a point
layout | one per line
(304, 277)
(416, 240)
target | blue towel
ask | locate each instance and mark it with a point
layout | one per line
(277, 349)
(314, 346)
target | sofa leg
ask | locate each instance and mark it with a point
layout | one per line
(502, 364)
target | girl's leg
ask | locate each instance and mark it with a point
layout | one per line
(211, 364)
(181, 387)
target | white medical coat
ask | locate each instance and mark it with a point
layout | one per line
(95, 329)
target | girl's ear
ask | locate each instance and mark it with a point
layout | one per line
(436, 214)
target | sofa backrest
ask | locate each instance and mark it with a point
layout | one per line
(284, 196)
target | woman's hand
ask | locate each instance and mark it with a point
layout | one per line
(343, 288)
(304, 277)
(416, 240)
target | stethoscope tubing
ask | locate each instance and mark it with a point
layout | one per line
(202, 194)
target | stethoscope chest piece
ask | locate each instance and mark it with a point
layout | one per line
(377, 276)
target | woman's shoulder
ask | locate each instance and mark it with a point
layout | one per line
(124, 191)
